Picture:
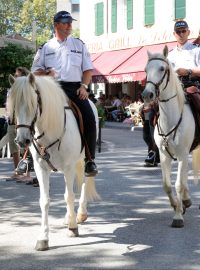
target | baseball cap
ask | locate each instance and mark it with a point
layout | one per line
(63, 17)
(180, 24)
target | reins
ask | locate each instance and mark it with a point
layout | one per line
(157, 85)
(41, 149)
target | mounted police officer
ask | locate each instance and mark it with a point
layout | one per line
(68, 61)
(185, 57)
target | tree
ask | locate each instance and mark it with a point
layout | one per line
(9, 11)
(11, 57)
(40, 11)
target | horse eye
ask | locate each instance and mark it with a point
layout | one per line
(162, 68)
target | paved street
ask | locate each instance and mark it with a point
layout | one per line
(128, 229)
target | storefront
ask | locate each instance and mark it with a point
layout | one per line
(122, 71)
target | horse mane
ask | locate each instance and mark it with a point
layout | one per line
(173, 78)
(53, 100)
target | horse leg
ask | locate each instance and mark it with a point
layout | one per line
(69, 198)
(181, 191)
(82, 210)
(166, 174)
(43, 178)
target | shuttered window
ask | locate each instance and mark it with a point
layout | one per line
(114, 16)
(129, 14)
(149, 12)
(180, 9)
(99, 19)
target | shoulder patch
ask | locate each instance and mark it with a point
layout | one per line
(41, 46)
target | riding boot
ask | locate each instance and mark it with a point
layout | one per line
(90, 166)
(150, 161)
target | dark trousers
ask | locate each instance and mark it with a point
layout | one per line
(70, 89)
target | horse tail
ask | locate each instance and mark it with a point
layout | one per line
(88, 186)
(91, 192)
(196, 163)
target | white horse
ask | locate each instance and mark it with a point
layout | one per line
(45, 121)
(175, 129)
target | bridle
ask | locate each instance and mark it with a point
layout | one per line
(157, 90)
(41, 149)
(167, 73)
(39, 107)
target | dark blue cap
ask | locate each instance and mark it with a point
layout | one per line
(63, 17)
(180, 24)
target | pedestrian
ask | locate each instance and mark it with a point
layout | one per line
(11, 131)
(185, 57)
(67, 60)
(148, 114)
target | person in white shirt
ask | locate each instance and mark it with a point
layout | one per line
(185, 57)
(67, 59)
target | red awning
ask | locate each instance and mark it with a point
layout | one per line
(125, 65)
(104, 63)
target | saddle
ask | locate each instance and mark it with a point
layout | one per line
(77, 113)
(193, 97)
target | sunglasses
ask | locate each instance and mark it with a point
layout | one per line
(178, 32)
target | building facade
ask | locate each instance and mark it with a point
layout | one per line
(72, 6)
(118, 34)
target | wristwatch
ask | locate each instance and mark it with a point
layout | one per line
(85, 86)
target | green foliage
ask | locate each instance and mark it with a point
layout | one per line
(101, 113)
(17, 16)
(11, 57)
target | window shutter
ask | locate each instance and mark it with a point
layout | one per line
(99, 19)
(180, 9)
(149, 12)
(114, 16)
(129, 14)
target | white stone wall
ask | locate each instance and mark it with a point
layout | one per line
(160, 32)
(66, 5)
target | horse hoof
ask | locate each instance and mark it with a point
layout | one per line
(81, 218)
(73, 232)
(42, 245)
(177, 223)
(187, 203)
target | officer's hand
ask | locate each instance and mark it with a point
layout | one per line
(51, 72)
(82, 93)
(182, 71)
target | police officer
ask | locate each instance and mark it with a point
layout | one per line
(185, 57)
(68, 61)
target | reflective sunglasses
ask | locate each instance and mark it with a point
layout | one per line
(178, 32)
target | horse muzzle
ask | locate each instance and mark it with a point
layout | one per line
(148, 95)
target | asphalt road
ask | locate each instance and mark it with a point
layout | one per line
(128, 229)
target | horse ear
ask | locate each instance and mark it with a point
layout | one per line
(11, 79)
(165, 51)
(149, 54)
(31, 78)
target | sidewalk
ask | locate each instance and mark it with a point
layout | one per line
(112, 124)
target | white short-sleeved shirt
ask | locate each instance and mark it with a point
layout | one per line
(69, 58)
(187, 56)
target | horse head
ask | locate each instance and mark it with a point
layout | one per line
(23, 107)
(157, 71)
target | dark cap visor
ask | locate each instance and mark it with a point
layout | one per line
(65, 20)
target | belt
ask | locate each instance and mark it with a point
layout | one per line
(70, 83)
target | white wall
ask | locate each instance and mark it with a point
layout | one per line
(66, 5)
(161, 31)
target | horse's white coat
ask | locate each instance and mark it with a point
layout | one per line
(172, 105)
(67, 158)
